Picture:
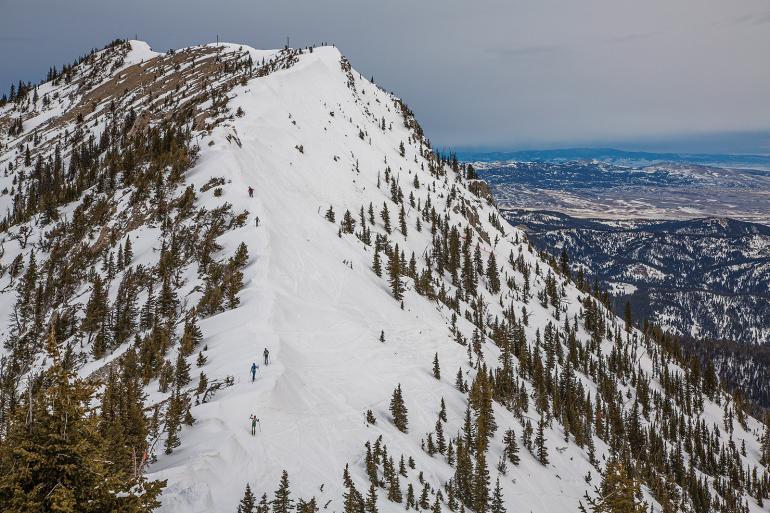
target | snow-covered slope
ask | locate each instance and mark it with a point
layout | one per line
(308, 135)
(312, 299)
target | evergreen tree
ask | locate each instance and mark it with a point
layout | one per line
(282, 502)
(481, 484)
(264, 505)
(542, 450)
(436, 367)
(398, 410)
(173, 421)
(53, 457)
(394, 274)
(385, 215)
(348, 224)
(618, 491)
(182, 374)
(352, 499)
(371, 500)
(248, 502)
(511, 448)
(564, 263)
(498, 504)
(128, 253)
(376, 265)
(493, 277)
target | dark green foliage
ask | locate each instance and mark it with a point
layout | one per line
(282, 501)
(248, 502)
(398, 410)
(61, 460)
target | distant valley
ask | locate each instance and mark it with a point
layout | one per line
(628, 188)
(706, 278)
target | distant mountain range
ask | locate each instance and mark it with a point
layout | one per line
(617, 156)
(706, 278)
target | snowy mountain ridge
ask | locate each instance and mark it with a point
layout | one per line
(344, 185)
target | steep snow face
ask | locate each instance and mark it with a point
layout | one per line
(311, 135)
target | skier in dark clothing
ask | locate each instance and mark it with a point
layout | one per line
(256, 221)
(253, 372)
(266, 353)
(254, 421)
(251, 192)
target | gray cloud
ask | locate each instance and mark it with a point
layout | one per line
(527, 51)
(638, 36)
(500, 73)
(753, 18)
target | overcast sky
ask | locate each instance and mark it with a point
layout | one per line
(510, 74)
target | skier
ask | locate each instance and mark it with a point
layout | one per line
(253, 371)
(266, 353)
(254, 421)
(256, 221)
(251, 192)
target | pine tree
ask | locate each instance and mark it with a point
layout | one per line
(54, 457)
(264, 505)
(385, 215)
(492, 274)
(307, 506)
(542, 450)
(436, 506)
(173, 421)
(618, 491)
(463, 477)
(182, 371)
(410, 500)
(191, 336)
(370, 505)
(398, 410)
(511, 448)
(352, 499)
(459, 382)
(348, 224)
(436, 368)
(564, 263)
(424, 503)
(498, 504)
(394, 489)
(282, 502)
(481, 484)
(128, 253)
(376, 265)
(394, 274)
(248, 502)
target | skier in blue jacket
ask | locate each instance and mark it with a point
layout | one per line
(253, 372)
